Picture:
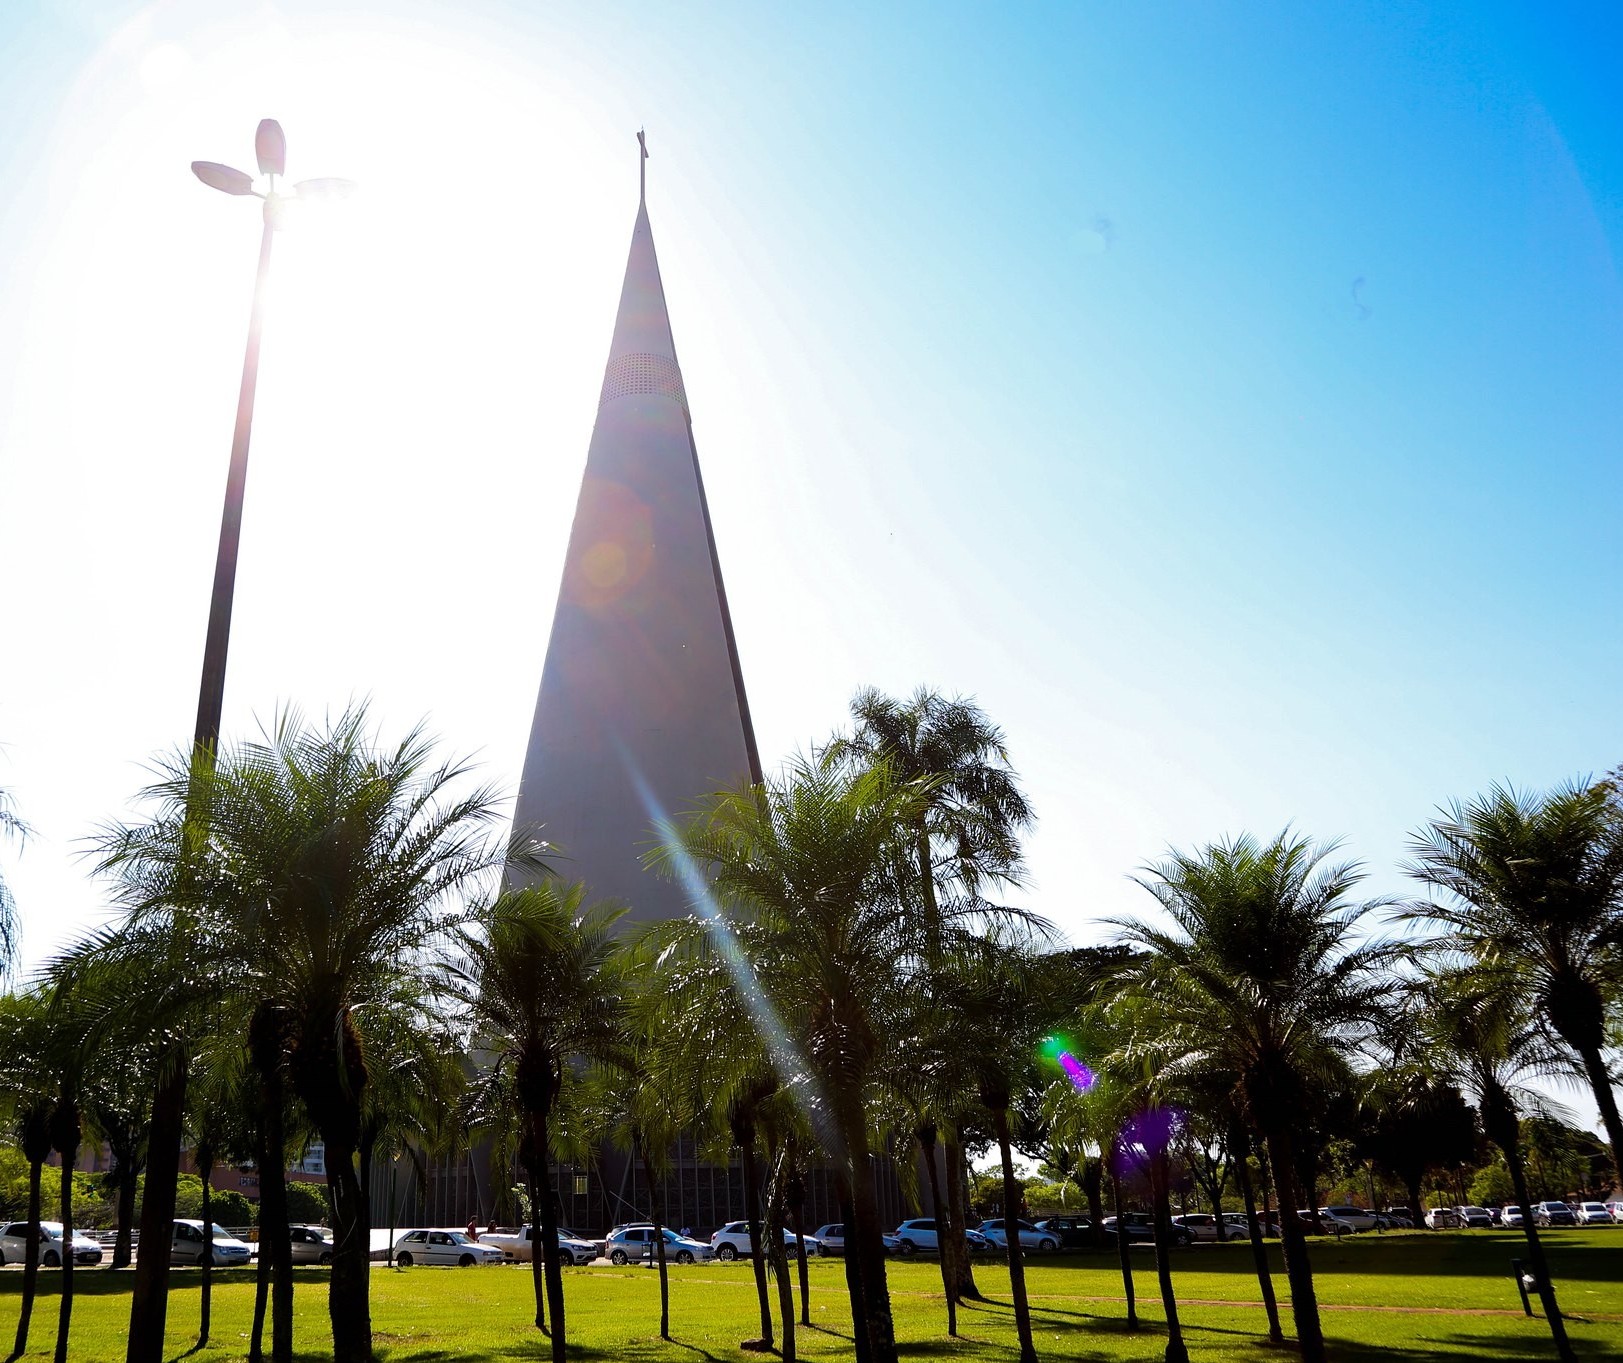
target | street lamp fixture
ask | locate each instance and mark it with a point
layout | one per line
(270, 150)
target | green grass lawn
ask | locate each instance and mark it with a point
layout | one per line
(1419, 1296)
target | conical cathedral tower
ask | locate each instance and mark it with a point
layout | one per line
(642, 708)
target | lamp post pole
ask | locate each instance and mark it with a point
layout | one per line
(211, 694)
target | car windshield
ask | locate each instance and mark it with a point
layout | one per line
(457, 1237)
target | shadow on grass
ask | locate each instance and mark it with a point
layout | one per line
(1597, 1258)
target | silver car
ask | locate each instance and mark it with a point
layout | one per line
(188, 1246)
(628, 1243)
(310, 1245)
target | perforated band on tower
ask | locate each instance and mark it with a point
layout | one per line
(641, 376)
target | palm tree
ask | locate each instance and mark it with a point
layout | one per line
(1534, 884)
(705, 1044)
(10, 927)
(542, 983)
(27, 1091)
(1262, 972)
(311, 869)
(1476, 1028)
(809, 916)
(966, 834)
(990, 998)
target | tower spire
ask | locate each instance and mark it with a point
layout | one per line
(642, 707)
(642, 166)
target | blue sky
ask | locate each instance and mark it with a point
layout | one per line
(1227, 396)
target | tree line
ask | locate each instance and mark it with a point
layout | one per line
(848, 987)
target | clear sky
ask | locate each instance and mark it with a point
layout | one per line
(1227, 396)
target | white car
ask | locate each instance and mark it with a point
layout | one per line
(831, 1239)
(1205, 1226)
(188, 1247)
(626, 1243)
(443, 1247)
(519, 1245)
(733, 1239)
(1616, 1209)
(1593, 1214)
(310, 1245)
(1444, 1218)
(14, 1245)
(1030, 1237)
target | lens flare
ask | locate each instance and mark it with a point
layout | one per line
(1081, 1077)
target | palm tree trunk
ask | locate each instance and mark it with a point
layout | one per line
(1093, 1175)
(796, 1199)
(752, 1211)
(1298, 1269)
(129, 1169)
(205, 1170)
(949, 1235)
(542, 1139)
(149, 1301)
(1177, 1351)
(1011, 1233)
(853, 1277)
(1535, 1253)
(657, 1217)
(1123, 1250)
(67, 1144)
(779, 1259)
(1600, 1080)
(963, 1268)
(275, 1237)
(30, 1258)
(349, 1305)
(262, 1277)
(537, 1259)
(870, 1250)
(1259, 1251)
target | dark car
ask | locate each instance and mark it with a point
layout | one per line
(1139, 1228)
(1554, 1214)
(1072, 1232)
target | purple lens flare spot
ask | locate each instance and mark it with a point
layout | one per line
(1080, 1075)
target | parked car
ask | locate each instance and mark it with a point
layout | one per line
(628, 1243)
(1139, 1227)
(1400, 1218)
(1616, 1209)
(1475, 1218)
(733, 1239)
(1510, 1217)
(1236, 1221)
(1444, 1218)
(443, 1247)
(1553, 1214)
(978, 1243)
(1205, 1226)
(1356, 1217)
(1072, 1232)
(519, 1245)
(14, 1245)
(996, 1232)
(916, 1235)
(188, 1248)
(831, 1240)
(310, 1246)
(1593, 1214)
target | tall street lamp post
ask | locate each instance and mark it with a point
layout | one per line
(149, 1298)
(270, 147)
